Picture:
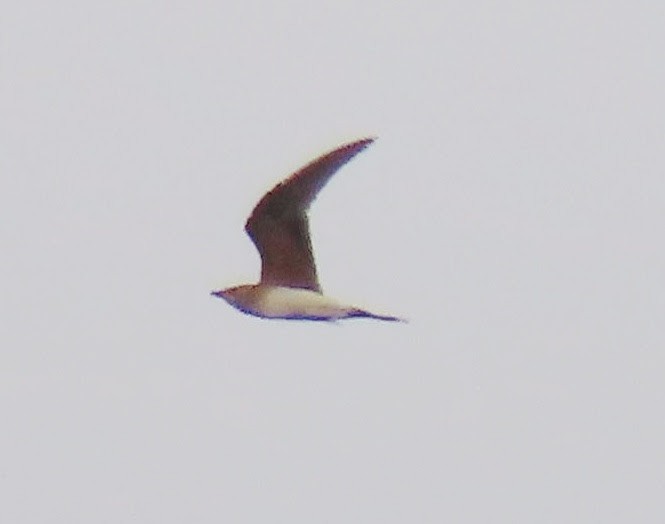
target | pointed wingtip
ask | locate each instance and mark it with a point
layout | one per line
(360, 142)
(353, 148)
(366, 141)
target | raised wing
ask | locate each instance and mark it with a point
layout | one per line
(278, 224)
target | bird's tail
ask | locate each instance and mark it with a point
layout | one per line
(361, 313)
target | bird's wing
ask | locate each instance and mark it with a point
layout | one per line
(278, 224)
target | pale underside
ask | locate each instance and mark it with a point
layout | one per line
(287, 302)
(295, 303)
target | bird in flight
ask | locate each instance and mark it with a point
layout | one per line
(278, 226)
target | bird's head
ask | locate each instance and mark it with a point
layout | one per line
(238, 296)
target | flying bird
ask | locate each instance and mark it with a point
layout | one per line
(278, 226)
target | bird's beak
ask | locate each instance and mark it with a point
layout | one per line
(216, 293)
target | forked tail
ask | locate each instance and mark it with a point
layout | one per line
(361, 313)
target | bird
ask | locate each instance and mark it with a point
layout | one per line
(279, 228)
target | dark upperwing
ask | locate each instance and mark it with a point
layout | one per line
(278, 224)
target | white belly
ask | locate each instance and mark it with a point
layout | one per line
(286, 302)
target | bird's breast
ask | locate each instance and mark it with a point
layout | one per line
(286, 302)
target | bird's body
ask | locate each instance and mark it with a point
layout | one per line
(268, 301)
(291, 302)
(278, 226)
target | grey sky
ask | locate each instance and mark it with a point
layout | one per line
(512, 209)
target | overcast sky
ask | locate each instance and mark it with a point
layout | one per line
(511, 209)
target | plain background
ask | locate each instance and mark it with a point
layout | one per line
(512, 209)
